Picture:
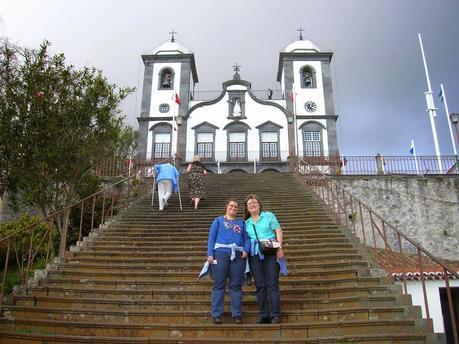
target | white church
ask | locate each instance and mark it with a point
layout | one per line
(236, 129)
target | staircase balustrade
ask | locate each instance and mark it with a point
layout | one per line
(400, 256)
(94, 210)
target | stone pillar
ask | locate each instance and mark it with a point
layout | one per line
(380, 164)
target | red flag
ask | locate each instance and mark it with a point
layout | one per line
(177, 99)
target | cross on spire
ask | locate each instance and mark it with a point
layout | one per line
(172, 33)
(300, 30)
(237, 68)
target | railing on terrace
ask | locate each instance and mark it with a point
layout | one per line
(212, 94)
(399, 255)
(333, 165)
(40, 240)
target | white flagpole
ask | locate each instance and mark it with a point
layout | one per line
(431, 108)
(415, 157)
(174, 124)
(294, 119)
(448, 119)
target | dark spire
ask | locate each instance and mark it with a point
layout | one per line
(236, 69)
(172, 33)
(300, 30)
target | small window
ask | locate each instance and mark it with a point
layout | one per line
(205, 144)
(163, 108)
(162, 145)
(166, 79)
(237, 145)
(269, 144)
(307, 76)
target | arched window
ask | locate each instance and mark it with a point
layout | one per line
(308, 77)
(162, 140)
(166, 79)
(312, 137)
(205, 141)
(237, 141)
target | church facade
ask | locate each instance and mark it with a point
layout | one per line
(237, 130)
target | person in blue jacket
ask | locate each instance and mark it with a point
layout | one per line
(227, 248)
(167, 177)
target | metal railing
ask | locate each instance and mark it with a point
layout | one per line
(393, 251)
(263, 94)
(87, 214)
(332, 165)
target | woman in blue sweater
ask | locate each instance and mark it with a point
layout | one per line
(227, 248)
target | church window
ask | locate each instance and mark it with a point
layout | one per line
(237, 145)
(307, 76)
(269, 140)
(163, 108)
(312, 143)
(269, 144)
(205, 141)
(162, 145)
(166, 79)
(205, 145)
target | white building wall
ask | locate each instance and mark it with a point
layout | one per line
(164, 96)
(159, 97)
(256, 114)
(433, 297)
(305, 94)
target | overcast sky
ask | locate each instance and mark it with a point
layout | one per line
(378, 74)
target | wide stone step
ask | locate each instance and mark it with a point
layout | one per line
(401, 338)
(152, 239)
(158, 250)
(202, 233)
(198, 317)
(295, 270)
(168, 235)
(189, 266)
(195, 295)
(205, 284)
(128, 259)
(310, 254)
(197, 331)
(300, 303)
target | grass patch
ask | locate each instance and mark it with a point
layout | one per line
(23, 330)
(13, 276)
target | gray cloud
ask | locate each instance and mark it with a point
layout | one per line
(379, 80)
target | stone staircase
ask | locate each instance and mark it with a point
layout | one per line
(136, 281)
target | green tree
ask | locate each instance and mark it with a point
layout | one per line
(20, 243)
(57, 122)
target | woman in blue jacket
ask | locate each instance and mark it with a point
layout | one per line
(227, 248)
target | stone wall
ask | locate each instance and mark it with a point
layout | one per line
(426, 209)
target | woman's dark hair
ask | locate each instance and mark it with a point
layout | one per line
(248, 198)
(231, 200)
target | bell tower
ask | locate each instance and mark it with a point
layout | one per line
(169, 76)
(305, 77)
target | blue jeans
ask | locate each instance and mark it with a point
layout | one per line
(266, 275)
(222, 271)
